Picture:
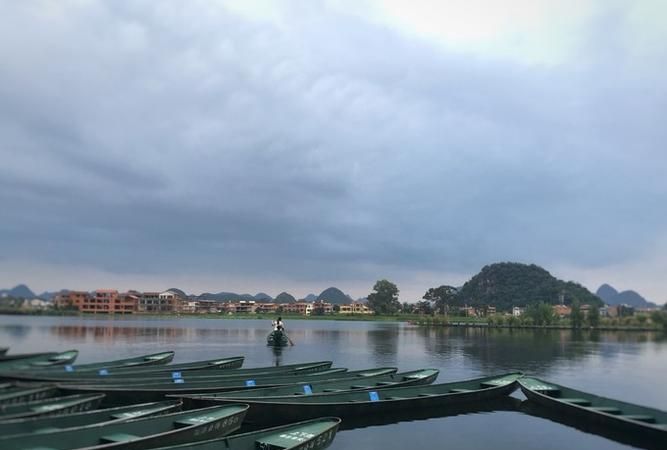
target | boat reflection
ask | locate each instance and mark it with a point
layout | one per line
(636, 440)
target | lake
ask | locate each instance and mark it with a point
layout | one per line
(628, 366)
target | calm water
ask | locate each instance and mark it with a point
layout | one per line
(627, 366)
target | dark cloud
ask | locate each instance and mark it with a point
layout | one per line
(181, 138)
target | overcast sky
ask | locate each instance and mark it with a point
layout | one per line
(266, 146)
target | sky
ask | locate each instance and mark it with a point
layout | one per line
(268, 146)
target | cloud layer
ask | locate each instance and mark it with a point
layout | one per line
(188, 138)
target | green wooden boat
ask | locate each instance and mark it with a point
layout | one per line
(169, 429)
(137, 361)
(65, 373)
(382, 381)
(626, 417)
(277, 338)
(18, 394)
(354, 404)
(315, 434)
(51, 406)
(204, 375)
(126, 394)
(32, 361)
(56, 423)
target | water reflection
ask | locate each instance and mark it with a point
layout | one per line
(636, 440)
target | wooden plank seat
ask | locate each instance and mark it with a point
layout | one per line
(576, 401)
(117, 437)
(640, 418)
(607, 409)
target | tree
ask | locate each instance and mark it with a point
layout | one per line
(594, 316)
(540, 314)
(576, 316)
(442, 298)
(385, 298)
(424, 307)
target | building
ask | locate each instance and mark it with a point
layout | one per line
(322, 307)
(172, 300)
(303, 308)
(355, 308)
(71, 299)
(562, 310)
(267, 308)
(517, 311)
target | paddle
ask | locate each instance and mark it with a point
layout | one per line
(289, 340)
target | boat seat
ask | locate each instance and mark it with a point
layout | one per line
(456, 391)
(46, 430)
(188, 422)
(385, 383)
(640, 417)
(279, 441)
(576, 401)
(606, 409)
(117, 437)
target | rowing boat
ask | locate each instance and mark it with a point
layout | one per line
(56, 423)
(18, 394)
(169, 372)
(65, 374)
(137, 361)
(207, 376)
(277, 338)
(308, 435)
(381, 381)
(125, 394)
(51, 406)
(169, 429)
(32, 361)
(622, 416)
(354, 404)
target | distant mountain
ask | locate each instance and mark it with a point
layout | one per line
(262, 297)
(612, 297)
(284, 297)
(335, 296)
(50, 296)
(505, 285)
(20, 291)
(310, 298)
(606, 293)
(226, 296)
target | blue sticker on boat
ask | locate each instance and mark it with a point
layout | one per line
(175, 375)
(179, 380)
(373, 396)
(103, 372)
(250, 383)
(307, 389)
(69, 368)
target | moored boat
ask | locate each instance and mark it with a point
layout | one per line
(382, 381)
(621, 416)
(51, 406)
(169, 429)
(163, 376)
(65, 373)
(277, 338)
(3, 350)
(124, 394)
(56, 423)
(136, 361)
(18, 394)
(354, 404)
(314, 434)
(39, 360)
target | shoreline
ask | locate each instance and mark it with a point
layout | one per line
(421, 321)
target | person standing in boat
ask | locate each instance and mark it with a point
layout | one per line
(279, 324)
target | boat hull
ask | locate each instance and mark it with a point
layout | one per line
(277, 338)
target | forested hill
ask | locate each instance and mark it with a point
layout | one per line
(505, 285)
